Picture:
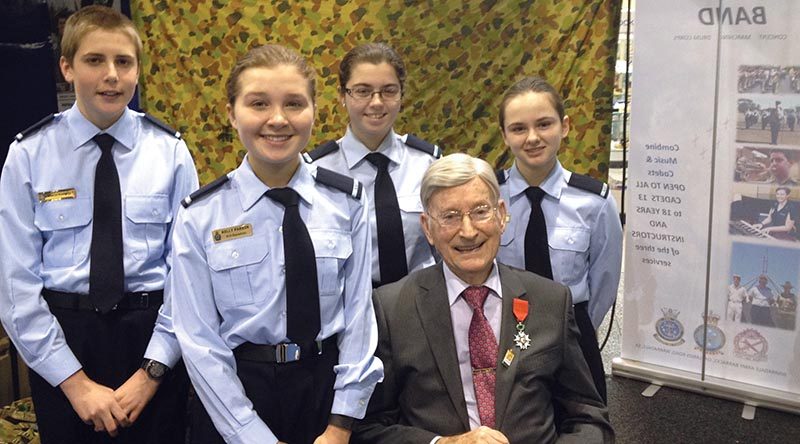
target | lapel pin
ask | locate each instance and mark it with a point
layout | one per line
(508, 358)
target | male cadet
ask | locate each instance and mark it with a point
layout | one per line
(473, 350)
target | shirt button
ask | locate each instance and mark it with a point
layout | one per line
(280, 229)
(570, 240)
(61, 217)
(283, 269)
(235, 254)
(361, 402)
(155, 212)
(331, 245)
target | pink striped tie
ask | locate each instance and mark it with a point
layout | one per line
(482, 354)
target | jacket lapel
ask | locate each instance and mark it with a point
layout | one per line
(512, 288)
(434, 312)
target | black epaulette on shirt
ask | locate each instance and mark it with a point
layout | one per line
(421, 145)
(501, 175)
(589, 184)
(321, 151)
(204, 191)
(21, 135)
(340, 182)
(163, 126)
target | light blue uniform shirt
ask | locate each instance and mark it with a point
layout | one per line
(584, 233)
(229, 292)
(406, 169)
(46, 244)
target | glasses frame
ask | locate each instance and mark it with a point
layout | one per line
(468, 213)
(379, 92)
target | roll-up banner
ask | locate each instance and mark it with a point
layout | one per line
(713, 226)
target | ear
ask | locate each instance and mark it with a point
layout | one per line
(502, 212)
(564, 126)
(231, 116)
(342, 98)
(424, 220)
(66, 69)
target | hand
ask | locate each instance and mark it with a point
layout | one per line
(135, 393)
(481, 435)
(94, 403)
(333, 435)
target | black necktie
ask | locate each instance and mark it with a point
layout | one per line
(106, 273)
(537, 252)
(391, 243)
(302, 292)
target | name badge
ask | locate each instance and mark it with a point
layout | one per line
(229, 233)
(52, 196)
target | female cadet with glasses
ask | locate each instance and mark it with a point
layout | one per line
(564, 225)
(390, 165)
(271, 280)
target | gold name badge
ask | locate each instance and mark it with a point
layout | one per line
(52, 196)
(235, 232)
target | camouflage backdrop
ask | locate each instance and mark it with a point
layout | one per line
(461, 56)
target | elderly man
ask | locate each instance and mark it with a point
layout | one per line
(475, 351)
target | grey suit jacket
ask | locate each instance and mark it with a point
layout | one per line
(545, 395)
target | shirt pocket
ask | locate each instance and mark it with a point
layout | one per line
(65, 227)
(569, 253)
(234, 266)
(147, 217)
(331, 248)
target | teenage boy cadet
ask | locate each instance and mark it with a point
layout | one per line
(86, 204)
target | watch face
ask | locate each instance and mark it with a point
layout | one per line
(155, 370)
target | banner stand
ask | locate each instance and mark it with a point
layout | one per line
(747, 394)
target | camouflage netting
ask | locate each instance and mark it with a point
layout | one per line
(461, 56)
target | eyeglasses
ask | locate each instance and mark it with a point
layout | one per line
(391, 92)
(454, 218)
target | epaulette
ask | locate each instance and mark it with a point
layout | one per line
(321, 151)
(340, 182)
(204, 191)
(21, 135)
(589, 184)
(501, 175)
(163, 126)
(426, 147)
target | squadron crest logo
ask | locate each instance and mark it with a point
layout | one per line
(750, 345)
(669, 330)
(714, 336)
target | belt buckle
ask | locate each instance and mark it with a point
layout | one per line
(287, 353)
(144, 300)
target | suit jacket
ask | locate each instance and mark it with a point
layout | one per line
(545, 395)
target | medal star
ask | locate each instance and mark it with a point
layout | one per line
(522, 340)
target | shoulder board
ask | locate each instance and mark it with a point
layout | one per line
(163, 126)
(321, 151)
(426, 147)
(589, 184)
(340, 182)
(21, 135)
(204, 191)
(501, 175)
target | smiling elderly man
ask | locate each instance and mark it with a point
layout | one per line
(475, 351)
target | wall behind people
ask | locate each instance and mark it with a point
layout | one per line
(461, 56)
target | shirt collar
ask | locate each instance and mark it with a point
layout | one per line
(455, 286)
(553, 184)
(81, 130)
(355, 151)
(250, 188)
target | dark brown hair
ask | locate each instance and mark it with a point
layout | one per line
(374, 53)
(526, 85)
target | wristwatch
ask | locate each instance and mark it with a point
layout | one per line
(154, 369)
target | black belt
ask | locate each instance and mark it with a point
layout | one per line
(76, 301)
(283, 353)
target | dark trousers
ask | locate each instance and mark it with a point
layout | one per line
(111, 348)
(294, 399)
(590, 348)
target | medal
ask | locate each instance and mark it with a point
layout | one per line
(521, 339)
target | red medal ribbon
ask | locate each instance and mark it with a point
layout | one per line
(520, 309)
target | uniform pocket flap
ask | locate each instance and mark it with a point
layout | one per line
(236, 252)
(571, 239)
(410, 203)
(148, 209)
(63, 214)
(331, 243)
